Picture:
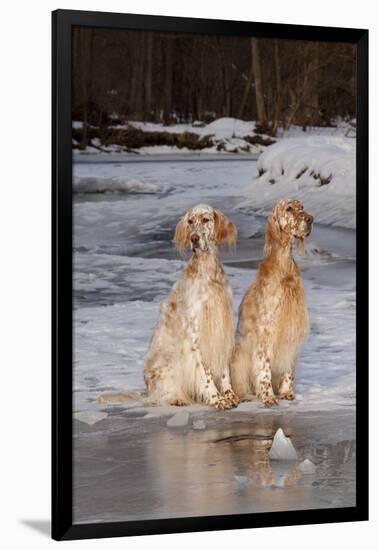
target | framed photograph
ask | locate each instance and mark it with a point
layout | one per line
(210, 274)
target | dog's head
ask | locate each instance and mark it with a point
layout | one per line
(292, 219)
(287, 221)
(202, 228)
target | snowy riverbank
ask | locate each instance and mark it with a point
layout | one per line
(316, 166)
(125, 265)
(223, 136)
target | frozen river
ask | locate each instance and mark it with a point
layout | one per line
(124, 266)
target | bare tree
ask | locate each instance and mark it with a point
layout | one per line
(84, 45)
(225, 67)
(260, 103)
(278, 99)
(148, 74)
(248, 84)
(168, 69)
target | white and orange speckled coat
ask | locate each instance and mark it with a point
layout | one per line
(190, 351)
(273, 319)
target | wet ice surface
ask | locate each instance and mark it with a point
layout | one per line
(128, 468)
(124, 266)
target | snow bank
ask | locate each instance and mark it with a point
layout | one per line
(327, 160)
(84, 184)
(318, 170)
(221, 128)
(225, 135)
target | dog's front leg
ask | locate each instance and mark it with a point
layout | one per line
(286, 390)
(206, 388)
(264, 389)
(227, 390)
(263, 366)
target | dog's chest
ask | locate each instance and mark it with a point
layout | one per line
(208, 296)
(292, 316)
(211, 313)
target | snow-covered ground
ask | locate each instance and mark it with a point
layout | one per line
(222, 128)
(133, 462)
(124, 266)
(229, 135)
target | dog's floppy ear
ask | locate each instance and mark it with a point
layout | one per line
(300, 245)
(274, 220)
(273, 230)
(181, 238)
(225, 230)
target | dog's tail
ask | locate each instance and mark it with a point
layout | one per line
(120, 397)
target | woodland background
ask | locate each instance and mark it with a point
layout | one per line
(172, 78)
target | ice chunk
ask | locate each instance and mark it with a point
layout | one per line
(199, 425)
(282, 447)
(90, 417)
(178, 420)
(307, 467)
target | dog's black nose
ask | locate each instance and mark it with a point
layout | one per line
(194, 238)
(309, 219)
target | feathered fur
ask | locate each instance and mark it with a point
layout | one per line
(273, 319)
(189, 355)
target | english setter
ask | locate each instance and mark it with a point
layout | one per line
(273, 318)
(190, 351)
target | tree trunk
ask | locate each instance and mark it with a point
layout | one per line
(136, 88)
(201, 84)
(247, 87)
(148, 75)
(225, 70)
(86, 43)
(278, 102)
(260, 103)
(315, 86)
(167, 116)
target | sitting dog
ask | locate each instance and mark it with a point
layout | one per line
(190, 351)
(273, 319)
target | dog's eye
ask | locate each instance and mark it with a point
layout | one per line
(289, 209)
(205, 220)
(190, 222)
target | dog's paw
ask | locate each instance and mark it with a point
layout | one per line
(179, 403)
(221, 403)
(290, 396)
(232, 398)
(270, 401)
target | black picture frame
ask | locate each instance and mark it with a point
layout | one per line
(62, 523)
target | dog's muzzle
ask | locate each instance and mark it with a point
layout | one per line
(195, 240)
(309, 220)
(305, 226)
